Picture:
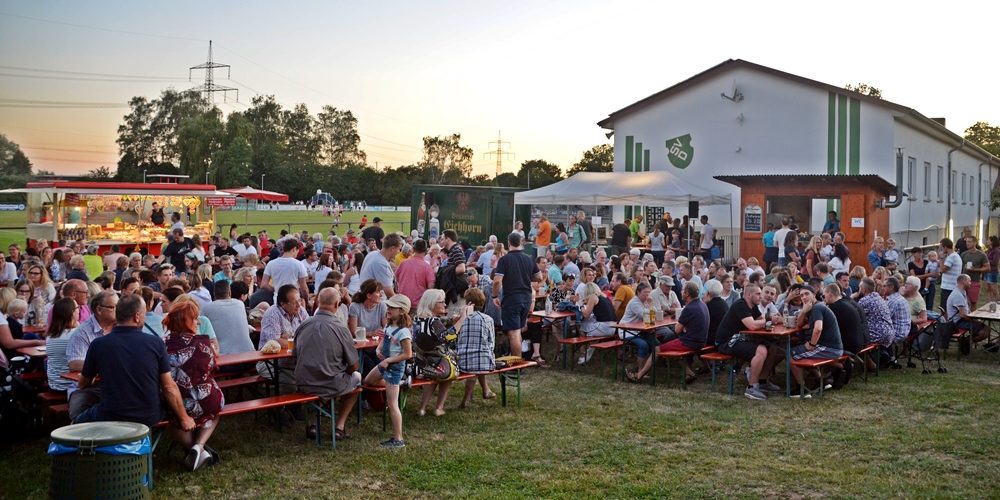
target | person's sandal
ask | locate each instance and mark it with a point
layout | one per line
(541, 361)
(631, 376)
(489, 395)
(342, 434)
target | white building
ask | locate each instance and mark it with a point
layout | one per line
(741, 118)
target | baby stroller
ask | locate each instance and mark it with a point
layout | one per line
(928, 342)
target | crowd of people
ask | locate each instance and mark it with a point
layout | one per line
(145, 331)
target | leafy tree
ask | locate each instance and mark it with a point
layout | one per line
(303, 146)
(446, 160)
(136, 144)
(337, 131)
(506, 179)
(864, 88)
(985, 136)
(395, 184)
(600, 158)
(267, 142)
(173, 108)
(233, 161)
(13, 161)
(198, 140)
(101, 173)
(538, 173)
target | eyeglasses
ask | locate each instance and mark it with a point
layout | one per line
(24, 290)
(34, 273)
(115, 306)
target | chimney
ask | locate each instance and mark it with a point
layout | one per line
(939, 120)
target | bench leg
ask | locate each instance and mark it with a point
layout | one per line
(732, 377)
(503, 390)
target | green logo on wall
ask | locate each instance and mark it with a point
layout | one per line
(679, 151)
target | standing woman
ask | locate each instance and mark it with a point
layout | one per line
(791, 244)
(430, 311)
(812, 256)
(993, 256)
(353, 275)
(56, 267)
(56, 339)
(918, 267)
(562, 239)
(656, 245)
(192, 361)
(39, 279)
(475, 346)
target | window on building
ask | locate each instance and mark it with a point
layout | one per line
(954, 187)
(927, 181)
(962, 187)
(940, 183)
(973, 192)
(911, 172)
(986, 193)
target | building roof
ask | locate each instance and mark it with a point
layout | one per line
(732, 64)
(872, 180)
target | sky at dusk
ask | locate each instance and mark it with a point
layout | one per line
(540, 73)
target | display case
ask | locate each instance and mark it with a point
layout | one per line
(108, 213)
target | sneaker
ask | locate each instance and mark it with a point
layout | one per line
(807, 395)
(755, 394)
(191, 458)
(204, 458)
(769, 386)
(590, 353)
(582, 360)
(393, 443)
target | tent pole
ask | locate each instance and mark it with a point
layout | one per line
(732, 228)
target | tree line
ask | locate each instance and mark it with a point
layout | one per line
(296, 152)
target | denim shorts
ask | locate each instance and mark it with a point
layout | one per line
(394, 374)
(514, 312)
(990, 278)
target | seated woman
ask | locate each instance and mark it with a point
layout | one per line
(646, 343)
(598, 316)
(192, 360)
(475, 346)
(36, 306)
(8, 342)
(56, 339)
(430, 310)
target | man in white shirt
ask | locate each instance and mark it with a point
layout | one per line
(707, 238)
(229, 319)
(175, 218)
(244, 248)
(779, 240)
(286, 270)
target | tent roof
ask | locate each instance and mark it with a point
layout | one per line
(251, 193)
(621, 188)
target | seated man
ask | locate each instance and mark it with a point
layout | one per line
(745, 315)
(134, 371)
(916, 303)
(822, 333)
(229, 319)
(326, 362)
(692, 325)
(957, 310)
(853, 333)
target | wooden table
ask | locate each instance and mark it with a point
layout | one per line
(552, 318)
(640, 328)
(33, 351)
(257, 357)
(33, 329)
(780, 331)
(991, 318)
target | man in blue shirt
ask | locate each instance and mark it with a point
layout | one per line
(832, 224)
(134, 370)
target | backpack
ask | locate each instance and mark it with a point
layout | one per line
(434, 351)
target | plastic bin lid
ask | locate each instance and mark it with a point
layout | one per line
(100, 433)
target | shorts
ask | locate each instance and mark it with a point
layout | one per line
(645, 345)
(742, 349)
(514, 311)
(675, 345)
(394, 374)
(969, 325)
(990, 277)
(820, 352)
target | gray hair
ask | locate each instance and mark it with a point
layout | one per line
(713, 287)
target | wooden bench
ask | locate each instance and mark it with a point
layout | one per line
(609, 345)
(572, 344)
(715, 357)
(817, 365)
(669, 356)
(506, 373)
(865, 354)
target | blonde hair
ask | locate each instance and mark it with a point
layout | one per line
(591, 289)
(7, 295)
(205, 272)
(16, 306)
(431, 296)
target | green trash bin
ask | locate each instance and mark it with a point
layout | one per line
(100, 460)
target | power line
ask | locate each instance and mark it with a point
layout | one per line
(82, 79)
(96, 28)
(28, 103)
(84, 73)
(71, 160)
(69, 150)
(60, 132)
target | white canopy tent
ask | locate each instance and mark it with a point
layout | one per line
(659, 188)
(653, 188)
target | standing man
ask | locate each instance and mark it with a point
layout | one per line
(374, 232)
(175, 219)
(286, 270)
(456, 257)
(515, 272)
(637, 229)
(950, 269)
(376, 265)
(832, 225)
(975, 263)
(707, 238)
(621, 239)
(544, 236)
(156, 215)
(134, 372)
(414, 275)
(588, 229)
(770, 249)
(779, 241)
(178, 247)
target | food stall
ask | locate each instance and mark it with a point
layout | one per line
(118, 213)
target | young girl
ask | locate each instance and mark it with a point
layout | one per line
(396, 348)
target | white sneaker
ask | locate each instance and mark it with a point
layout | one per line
(590, 353)
(582, 360)
(203, 458)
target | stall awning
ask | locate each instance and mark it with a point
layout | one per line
(656, 188)
(251, 193)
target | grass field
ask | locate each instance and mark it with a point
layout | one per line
(580, 435)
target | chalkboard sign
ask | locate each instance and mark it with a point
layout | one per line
(653, 217)
(752, 218)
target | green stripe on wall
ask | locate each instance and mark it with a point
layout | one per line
(628, 153)
(855, 138)
(841, 135)
(645, 160)
(831, 135)
(637, 166)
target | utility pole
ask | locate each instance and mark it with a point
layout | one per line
(209, 88)
(499, 152)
